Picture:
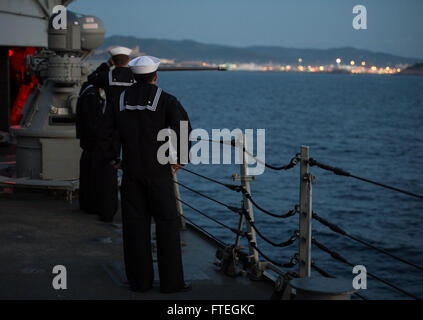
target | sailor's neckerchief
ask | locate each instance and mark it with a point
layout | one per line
(113, 80)
(123, 104)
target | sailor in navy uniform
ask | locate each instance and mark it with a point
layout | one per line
(138, 114)
(114, 80)
(97, 179)
(113, 76)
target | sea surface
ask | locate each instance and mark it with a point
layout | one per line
(370, 125)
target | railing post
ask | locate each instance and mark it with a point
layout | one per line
(305, 215)
(240, 224)
(178, 203)
(246, 203)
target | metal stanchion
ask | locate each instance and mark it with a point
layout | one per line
(305, 215)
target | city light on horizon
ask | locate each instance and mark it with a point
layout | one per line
(352, 67)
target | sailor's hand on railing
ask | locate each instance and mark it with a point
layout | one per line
(176, 167)
(116, 163)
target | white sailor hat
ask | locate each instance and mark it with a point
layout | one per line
(144, 64)
(120, 50)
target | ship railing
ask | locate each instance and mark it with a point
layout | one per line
(310, 162)
(304, 232)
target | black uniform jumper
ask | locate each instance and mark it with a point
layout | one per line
(147, 186)
(113, 82)
(96, 177)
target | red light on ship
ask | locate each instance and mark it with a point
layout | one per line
(10, 52)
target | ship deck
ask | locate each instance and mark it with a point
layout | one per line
(39, 231)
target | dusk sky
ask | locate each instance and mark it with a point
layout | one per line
(393, 26)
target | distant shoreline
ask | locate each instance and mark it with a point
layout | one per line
(95, 62)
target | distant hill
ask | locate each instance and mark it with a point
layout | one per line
(188, 50)
(414, 69)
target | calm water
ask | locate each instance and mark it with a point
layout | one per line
(369, 125)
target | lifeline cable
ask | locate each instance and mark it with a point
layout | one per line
(242, 234)
(290, 264)
(283, 244)
(341, 172)
(321, 271)
(290, 213)
(233, 143)
(338, 257)
(287, 265)
(338, 230)
(239, 211)
(238, 188)
(204, 230)
(234, 209)
(232, 187)
(286, 243)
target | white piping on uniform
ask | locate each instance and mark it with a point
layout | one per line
(153, 107)
(117, 83)
(86, 88)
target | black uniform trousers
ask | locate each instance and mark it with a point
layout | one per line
(86, 182)
(98, 190)
(143, 199)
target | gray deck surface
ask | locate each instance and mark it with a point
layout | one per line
(38, 232)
